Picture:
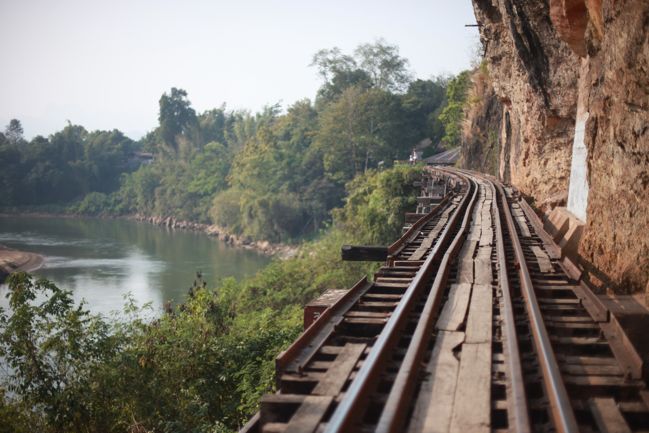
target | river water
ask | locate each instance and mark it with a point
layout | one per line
(102, 260)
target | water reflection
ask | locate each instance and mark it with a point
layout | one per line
(102, 260)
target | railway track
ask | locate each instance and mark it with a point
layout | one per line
(475, 323)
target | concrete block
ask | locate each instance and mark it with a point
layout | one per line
(557, 223)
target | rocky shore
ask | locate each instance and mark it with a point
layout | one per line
(13, 261)
(282, 251)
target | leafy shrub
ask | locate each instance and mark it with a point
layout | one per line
(94, 203)
(376, 204)
(226, 210)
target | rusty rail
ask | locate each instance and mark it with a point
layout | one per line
(560, 405)
(344, 416)
(520, 416)
(394, 412)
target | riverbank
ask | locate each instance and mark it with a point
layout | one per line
(282, 251)
(14, 261)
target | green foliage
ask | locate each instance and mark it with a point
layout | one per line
(63, 167)
(226, 210)
(423, 103)
(176, 117)
(270, 175)
(94, 204)
(14, 132)
(52, 346)
(376, 204)
(359, 130)
(202, 366)
(452, 115)
(377, 65)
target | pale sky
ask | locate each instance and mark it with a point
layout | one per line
(105, 64)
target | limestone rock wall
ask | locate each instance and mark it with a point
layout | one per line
(535, 75)
(482, 129)
(542, 56)
(616, 236)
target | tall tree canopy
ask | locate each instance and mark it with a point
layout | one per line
(275, 174)
(176, 116)
(453, 113)
(373, 65)
(14, 131)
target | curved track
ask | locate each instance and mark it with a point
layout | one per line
(474, 324)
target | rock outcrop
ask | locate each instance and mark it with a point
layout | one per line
(16, 261)
(482, 128)
(282, 251)
(534, 74)
(545, 56)
(616, 236)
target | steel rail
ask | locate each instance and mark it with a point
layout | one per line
(346, 413)
(520, 413)
(519, 416)
(560, 406)
(397, 246)
(400, 397)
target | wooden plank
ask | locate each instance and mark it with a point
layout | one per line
(434, 407)
(587, 360)
(484, 252)
(468, 249)
(486, 238)
(486, 231)
(471, 407)
(607, 415)
(270, 403)
(612, 381)
(454, 311)
(482, 271)
(428, 242)
(309, 414)
(465, 271)
(364, 253)
(306, 353)
(380, 314)
(478, 327)
(272, 427)
(376, 321)
(340, 370)
(644, 395)
(522, 224)
(391, 284)
(397, 280)
(363, 304)
(597, 370)
(382, 296)
(542, 259)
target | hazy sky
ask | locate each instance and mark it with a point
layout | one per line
(104, 64)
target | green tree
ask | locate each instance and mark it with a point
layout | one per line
(387, 69)
(452, 115)
(358, 130)
(377, 65)
(14, 131)
(376, 204)
(176, 117)
(422, 103)
(51, 347)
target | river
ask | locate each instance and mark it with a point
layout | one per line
(102, 260)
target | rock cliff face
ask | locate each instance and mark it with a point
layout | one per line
(481, 136)
(616, 237)
(534, 74)
(542, 58)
